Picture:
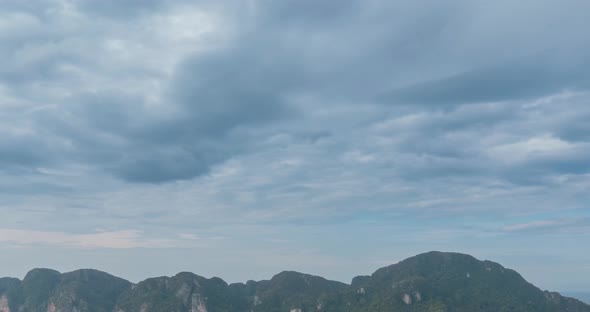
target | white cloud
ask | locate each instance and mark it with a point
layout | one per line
(533, 225)
(536, 147)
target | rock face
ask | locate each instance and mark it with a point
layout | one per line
(433, 281)
(4, 307)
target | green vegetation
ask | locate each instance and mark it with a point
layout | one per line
(430, 282)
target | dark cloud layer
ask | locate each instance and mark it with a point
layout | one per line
(277, 55)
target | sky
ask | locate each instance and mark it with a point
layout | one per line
(242, 138)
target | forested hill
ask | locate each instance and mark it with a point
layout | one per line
(434, 281)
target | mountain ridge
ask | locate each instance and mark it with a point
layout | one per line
(432, 281)
(583, 296)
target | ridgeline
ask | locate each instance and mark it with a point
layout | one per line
(429, 282)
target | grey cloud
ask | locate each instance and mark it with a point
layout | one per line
(239, 87)
(21, 152)
(275, 115)
(308, 13)
(576, 129)
(165, 166)
(46, 65)
(543, 169)
(225, 100)
(28, 151)
(500, 83)
(121, 9)
(218, 98)
(463, 142)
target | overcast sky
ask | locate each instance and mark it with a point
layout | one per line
(241, 138)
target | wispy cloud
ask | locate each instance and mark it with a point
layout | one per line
(551, 225)
(109, 239)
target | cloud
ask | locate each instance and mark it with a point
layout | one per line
(118, 10)
(151, 108)
(566, 225)
(217, 101)
(260, 118)
(534, 225)
(499, 83)
(109, 239)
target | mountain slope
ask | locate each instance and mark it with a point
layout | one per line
(182, 292)
(437, 281)
(47, 290)
(292, 290)
(582, 296)
(434, 281)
